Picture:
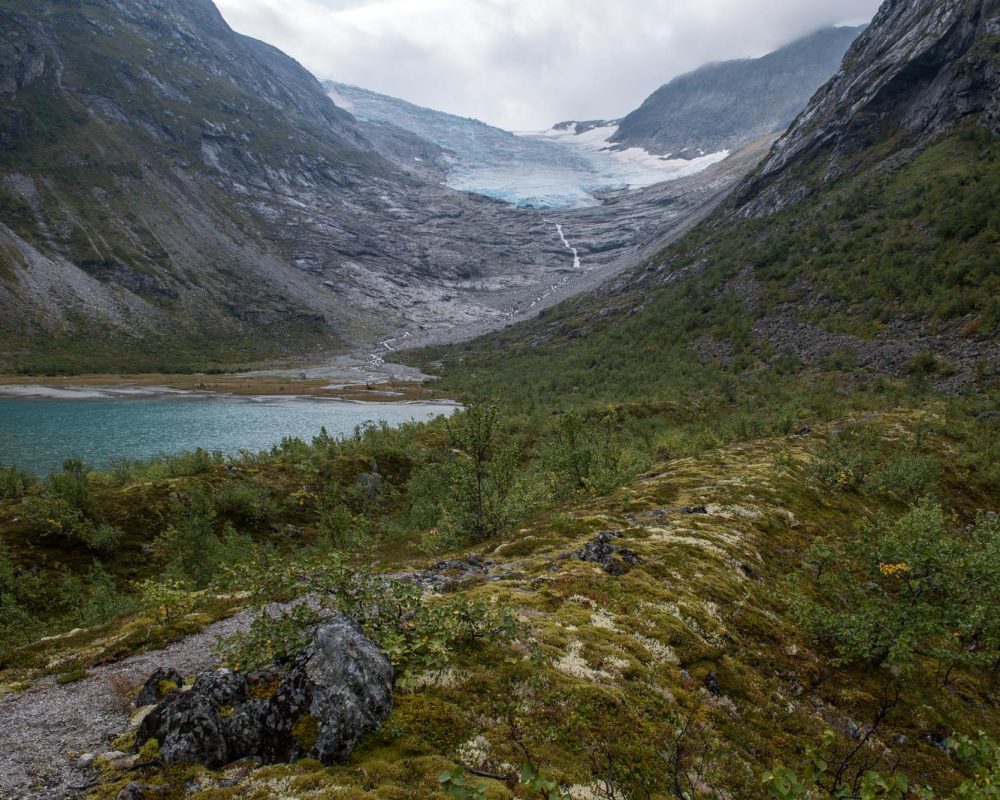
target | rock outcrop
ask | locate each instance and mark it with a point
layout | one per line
(921, 67)
(159, 685)
(336, 692)
(614, 559)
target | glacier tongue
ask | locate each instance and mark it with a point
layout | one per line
(557, 169)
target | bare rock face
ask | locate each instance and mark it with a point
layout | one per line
(727, 105)
(920, 68)
(335, 693)
(24, 56)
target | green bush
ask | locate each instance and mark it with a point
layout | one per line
(337, 526)
(192, 551)
(912, 589)
(64, 503)
(14, 482)
(484, 499)
(906, 476)
(185, 465)
(246, 501)
(416, 631)
(825, 778)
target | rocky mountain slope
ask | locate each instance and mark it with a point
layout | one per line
(727, 105)
(178, 195)
(172, 190)
(921, 69)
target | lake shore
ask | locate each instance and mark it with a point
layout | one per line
(343, 378)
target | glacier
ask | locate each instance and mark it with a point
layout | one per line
(568, 166)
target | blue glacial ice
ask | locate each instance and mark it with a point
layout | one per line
(566, 167)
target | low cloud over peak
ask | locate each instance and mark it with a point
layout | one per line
(524, 64)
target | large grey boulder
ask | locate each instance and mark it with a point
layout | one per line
(336, 692)
(222, 687)
(189, 728)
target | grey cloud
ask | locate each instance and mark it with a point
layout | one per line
(524, 64)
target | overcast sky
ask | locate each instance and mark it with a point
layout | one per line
(525, 64)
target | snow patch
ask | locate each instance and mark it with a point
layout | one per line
(632, 168)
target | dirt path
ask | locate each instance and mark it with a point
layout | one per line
(44, 730)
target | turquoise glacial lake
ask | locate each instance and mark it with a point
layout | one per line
(39, 433)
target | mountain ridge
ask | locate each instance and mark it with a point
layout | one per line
(916, 72)
(726, 105)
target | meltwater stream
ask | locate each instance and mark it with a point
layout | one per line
(38, 433)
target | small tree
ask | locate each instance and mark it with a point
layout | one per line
(484, 481)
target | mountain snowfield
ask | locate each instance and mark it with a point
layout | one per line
(622, 168)
(564, 167)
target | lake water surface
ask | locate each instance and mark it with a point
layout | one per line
(39, 433)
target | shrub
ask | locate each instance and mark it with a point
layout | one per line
(17, 591)
(194, 553)
(414, 630)
(336, 525)
(14, 483)
(906, 476)
(71, 486)
(64, 504)
(820, 778)
(100, 537)
(168, 599)
(246, 502)
(484, 497)
(913, 588)
(188, 464)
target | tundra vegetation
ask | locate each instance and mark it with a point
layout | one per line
(812, 609)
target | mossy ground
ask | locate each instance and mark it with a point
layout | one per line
(693, 651)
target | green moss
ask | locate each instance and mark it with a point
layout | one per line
(306, 732)
(72, 676)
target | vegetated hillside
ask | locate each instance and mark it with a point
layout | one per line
(173, 192)
(691, 650)
(727, 105)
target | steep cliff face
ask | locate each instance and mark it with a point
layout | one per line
(728, 105)
(920, 68)
(167, 185)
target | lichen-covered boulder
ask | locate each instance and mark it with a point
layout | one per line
(615, 560)
(189, 728)
(160, 684)
(244, 728)
(337, 691)
(222, 687)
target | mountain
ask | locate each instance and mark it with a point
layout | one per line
(173, 192)
(923, 69)
(727, 105)
(864, 244)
